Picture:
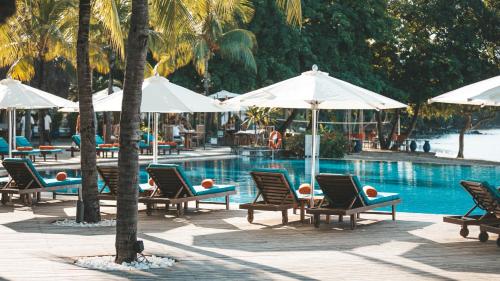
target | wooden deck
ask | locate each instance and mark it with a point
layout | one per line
(214, 244)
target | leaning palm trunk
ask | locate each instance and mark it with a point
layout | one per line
(87, 130)
(128, 160)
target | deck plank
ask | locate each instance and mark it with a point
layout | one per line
(214, 244)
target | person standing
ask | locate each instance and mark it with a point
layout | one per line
(47, 122)
(23, 126)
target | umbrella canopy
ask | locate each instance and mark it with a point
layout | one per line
(315, 88)
(485, 92)
(161, 96)
(14, 94)
(95, 97)
(223, 95)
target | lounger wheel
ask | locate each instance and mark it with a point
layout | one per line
(316, 220)
(149, 209)
(250, 216)
(464, 231)
(498, 241)
(284, 216)
(5, 198)
(483, 236)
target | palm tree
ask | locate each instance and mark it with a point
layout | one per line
(87, 130)
(171, 18)
(128, 159)
(35, 35)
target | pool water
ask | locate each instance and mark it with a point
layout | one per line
(424, 188)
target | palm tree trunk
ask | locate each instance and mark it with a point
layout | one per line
(288, 121)
(413, 123)
(465, 128)
(128, 160)
(87, 129)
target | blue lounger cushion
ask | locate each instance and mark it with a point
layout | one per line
(381, 196)
(23, 141)
(494, 191)
(46, 182)
(196, 190)
(200, 190)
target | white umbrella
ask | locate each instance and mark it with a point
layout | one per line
(483, 93)
(95, 97)
(315, 90)
(161, 96)
(16, 95)
(223, 95)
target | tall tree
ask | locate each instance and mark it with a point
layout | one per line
(87, 128)
(128, 159)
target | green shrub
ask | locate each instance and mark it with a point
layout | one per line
(294, 145)
(333, 145)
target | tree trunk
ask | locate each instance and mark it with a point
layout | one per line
(209, 126)
(87, 128)
(413, 122)
(128, 160)
(393, 129)
(465, 128)
(288, 121)
(107, 115)
(380, 130)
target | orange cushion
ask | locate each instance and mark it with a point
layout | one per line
(171, 143)
(61, 176)
(24, 148)
(151, 182)
(207, 183)
(46, 147)
(116, 144)
(305, 188)
(370, 191)
(105, 145)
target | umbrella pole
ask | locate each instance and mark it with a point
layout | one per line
(9, 110)
(314, 149)
(14, 128)
(149, 126)
(155, 146)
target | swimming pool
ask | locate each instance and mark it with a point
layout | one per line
(424, 188)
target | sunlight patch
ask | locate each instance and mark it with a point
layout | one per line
(108, 263)
(73, 223)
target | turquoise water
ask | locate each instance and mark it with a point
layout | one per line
(424, 188)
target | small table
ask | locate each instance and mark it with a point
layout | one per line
(305, 200)
(187, 138)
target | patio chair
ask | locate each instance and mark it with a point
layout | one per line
(278, 194)
(4, 150)
(23, 141)
(175, 188)
(344, 196)
(100, 150)
(25, 180)
(485, 197)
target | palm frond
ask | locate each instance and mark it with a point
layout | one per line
(292, 9)
(23, 69)
(107, 13)
(237, 45)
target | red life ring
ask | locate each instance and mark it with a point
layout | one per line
(275, 140)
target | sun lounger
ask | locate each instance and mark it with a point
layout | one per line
(25, 180)
(487, 198)
(109, 175)
(99, 148)
(24, 142)
(4, 150)
(277, 193)
(175, 188)
(344, 196)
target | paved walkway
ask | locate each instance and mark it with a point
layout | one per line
(213, 244)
